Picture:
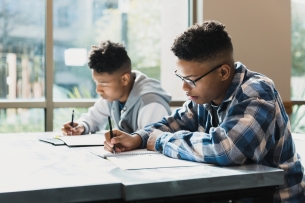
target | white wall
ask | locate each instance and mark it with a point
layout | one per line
(174, 22)
(260, 32)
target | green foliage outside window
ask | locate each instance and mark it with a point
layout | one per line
(21, 120)
(143, 32)
(298, 44)
(297, 118)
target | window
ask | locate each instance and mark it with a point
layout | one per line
(21, 49)
(48, 76)
(22, 73)
(136, 23)
(298, 66)
(21, 120)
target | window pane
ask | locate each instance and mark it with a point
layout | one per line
(298, 50)
(22, 49)
(78, 24)
(21, 120)
(297, 119)
(63, 115)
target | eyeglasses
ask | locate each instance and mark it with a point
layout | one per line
(192, 83)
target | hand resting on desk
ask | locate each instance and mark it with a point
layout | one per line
(152, 140)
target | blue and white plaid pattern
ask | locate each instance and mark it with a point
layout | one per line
(254, 127)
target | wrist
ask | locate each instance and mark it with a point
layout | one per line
(137, 140)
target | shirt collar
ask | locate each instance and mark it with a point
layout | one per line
(239, 74)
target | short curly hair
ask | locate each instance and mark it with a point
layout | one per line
(108, 57)
(203, 42)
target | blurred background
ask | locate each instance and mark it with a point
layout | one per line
(39, 88)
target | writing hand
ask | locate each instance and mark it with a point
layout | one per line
(122, 141)
(77, 129)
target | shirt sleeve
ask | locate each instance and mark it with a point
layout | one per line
(172, 123)
(96, 117)
(243, 134)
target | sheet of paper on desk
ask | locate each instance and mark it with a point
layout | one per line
(149, 161)
(141, 159)
(84, 140)
(100, 151)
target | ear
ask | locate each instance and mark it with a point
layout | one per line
(125, 79)
(225, 71)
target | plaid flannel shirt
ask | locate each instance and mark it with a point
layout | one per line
(253, 127)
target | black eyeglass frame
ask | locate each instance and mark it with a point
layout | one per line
(192, 83)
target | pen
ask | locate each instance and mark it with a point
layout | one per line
(72, 120)
(111, 134)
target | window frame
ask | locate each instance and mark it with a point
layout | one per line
(49, 104)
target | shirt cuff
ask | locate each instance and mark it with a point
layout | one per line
(86, 127)
(161, 142)
(144, 136)
(158, 144)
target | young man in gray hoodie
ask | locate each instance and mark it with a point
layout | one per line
(131, 98)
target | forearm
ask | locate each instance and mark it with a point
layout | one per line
(198, 146)
(89, 128)
(96, 117)
(157, 128)
(238, 138)
(171, 123)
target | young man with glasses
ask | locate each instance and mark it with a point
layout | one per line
(233, 116)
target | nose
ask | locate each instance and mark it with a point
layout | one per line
(186, 87)
(98, 89)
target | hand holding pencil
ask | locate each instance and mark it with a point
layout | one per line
(72, 128)
(119, 141)
(111, 133)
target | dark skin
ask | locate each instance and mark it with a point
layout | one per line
(116, 86)
(212, 87)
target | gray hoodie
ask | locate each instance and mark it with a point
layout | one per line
(147, 103)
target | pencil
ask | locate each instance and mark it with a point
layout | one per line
(71, 124)
(111, 133)
(72, 119)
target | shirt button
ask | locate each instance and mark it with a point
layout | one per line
(178, 156)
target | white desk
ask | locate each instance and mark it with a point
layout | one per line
(34, 171)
